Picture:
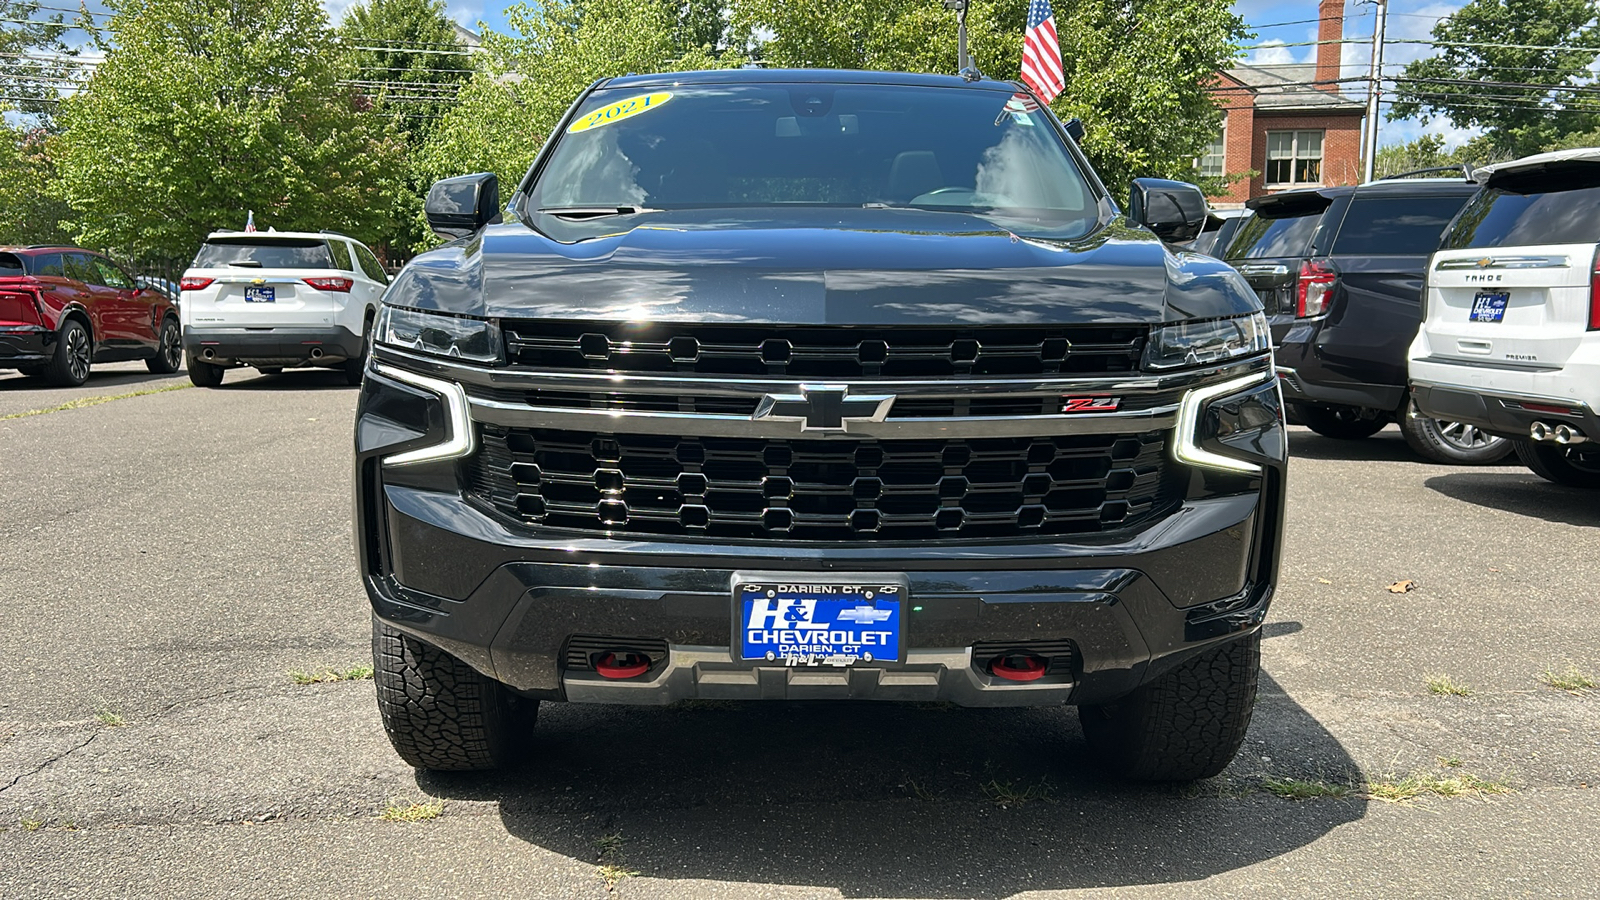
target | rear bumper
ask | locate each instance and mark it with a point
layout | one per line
(1491, 395)
(24, 346)
(284, 346)
(1306, 378)
(1499, 414)
(1297, 389)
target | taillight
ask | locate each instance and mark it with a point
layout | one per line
(341, 285)
(194, 283)
(1594, 293)
(1316, 284)
(20, 307)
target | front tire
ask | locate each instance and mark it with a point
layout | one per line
(69, 366)
(1452, 443)
(1344, 423)
(1186, 724)
(169, 349)
(440, 713)
(204, 374)
(1562, 465)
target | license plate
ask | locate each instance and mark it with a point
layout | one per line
(810, 623)
(260, 295)
(1489, 306)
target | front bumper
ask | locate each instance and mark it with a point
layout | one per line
(25, 345)
(514, 600)
(281, 346)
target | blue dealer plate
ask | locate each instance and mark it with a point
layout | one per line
(260, 295)
(1489, 306)
(819, 624)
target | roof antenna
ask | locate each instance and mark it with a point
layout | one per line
(963, 61)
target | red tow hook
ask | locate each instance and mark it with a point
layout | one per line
(623, 664)
(1018, 667)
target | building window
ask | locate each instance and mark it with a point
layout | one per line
(1294, 157)
(1213, 163)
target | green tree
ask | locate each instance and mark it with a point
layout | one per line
(29, 214)
(205, 109)
(528, 78)
(1135, 70)
(406, 57)
(1501, 66)
(35, 64)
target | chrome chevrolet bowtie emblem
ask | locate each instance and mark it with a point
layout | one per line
(1486, 262)
(824, 407)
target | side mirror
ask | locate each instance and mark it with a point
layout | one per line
(1174, 210)
(459, 207)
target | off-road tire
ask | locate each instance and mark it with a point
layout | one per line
(355, 368)
(1451, 443)
(69, 365)
(439, 712)
(168, 358)
(1186, 724)
(204, 374)
(1345, 423)
(1553, 462)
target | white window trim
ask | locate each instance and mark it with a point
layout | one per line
(1294, 157)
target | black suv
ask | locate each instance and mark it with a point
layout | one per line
(1339, 271)
(818, 385)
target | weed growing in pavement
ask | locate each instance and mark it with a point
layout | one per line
(1573, 680)
(1450, 762)
(108, 717)
(914, 788)
(1303, 788)
(31, 824)
(327, 676)
(611, 867)
(83, 402)
(1444, 685)
(1223, 787)
(1009, 794)
(399, 810)
(1392, 789)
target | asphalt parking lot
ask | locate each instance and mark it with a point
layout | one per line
(172, 555)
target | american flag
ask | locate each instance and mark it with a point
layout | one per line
(1041, 52)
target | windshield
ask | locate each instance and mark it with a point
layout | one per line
(641, 151)
(291, 253)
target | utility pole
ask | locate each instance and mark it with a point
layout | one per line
(960, 6)
(1369, 158)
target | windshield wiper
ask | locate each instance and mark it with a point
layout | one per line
(595, 212)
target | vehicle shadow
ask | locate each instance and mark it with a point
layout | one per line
(923, 800)
(318, 379)
(1524, 494)
(98, 381)
(1385, 446)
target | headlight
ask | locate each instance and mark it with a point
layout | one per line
(1205, 343)
(459, 337)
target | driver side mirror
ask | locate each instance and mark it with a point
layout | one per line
(459, 207)
(1174, 210)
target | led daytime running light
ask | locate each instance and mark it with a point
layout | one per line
(462, 439)
(1186, 449)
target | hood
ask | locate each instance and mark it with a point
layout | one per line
(822, 267)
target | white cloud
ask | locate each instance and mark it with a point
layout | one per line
(1272, 53)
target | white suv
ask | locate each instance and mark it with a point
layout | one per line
(279, 299)
(1510, 337)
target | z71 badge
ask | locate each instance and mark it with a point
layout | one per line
(1089, 404)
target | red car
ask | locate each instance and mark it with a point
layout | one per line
(62, 308)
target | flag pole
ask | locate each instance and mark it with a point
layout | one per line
(963, 62)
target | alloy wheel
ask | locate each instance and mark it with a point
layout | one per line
(171, 346)
(1464, 436)
(78, 353)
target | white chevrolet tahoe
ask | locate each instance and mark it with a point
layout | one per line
(1510, 337)
(279, 299)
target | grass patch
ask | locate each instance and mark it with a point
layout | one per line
(109, 717)
(1009, 794)
(1450, 762)
(84, 402)
(611, 868)
(1303, 788)
(397, 810)
(1445, 686)
(1418, 784)
(31, 824)
(1572, 680)
(327, 676)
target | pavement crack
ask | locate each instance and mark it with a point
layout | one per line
(52, 760)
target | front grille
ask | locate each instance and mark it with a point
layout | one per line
(824, 352)
(819, 490)
(1020, 405)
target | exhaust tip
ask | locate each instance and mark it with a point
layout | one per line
(208, 353)
(620, 664)
(316, 352)
(1567, 435)
(1539, 431)
(1018, 665)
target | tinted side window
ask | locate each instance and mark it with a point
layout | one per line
(341, 255)
(80, 268)
(110, 275)
(49, 265)
(1260, 237)
(1395, 226)
(370, 264)
(308, 253)
(11, 265)
(1503, 218)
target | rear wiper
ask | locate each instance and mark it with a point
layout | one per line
(595, 212)
(246, 263)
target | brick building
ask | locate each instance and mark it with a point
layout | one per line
(1287, 123)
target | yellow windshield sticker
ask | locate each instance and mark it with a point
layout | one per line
(622, 109)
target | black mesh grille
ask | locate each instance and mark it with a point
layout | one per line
(820, 490)
(831, 352)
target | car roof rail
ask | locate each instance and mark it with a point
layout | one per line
(1464, 170)
(337, 234)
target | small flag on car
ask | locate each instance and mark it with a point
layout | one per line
(1041, 52)
(250, 221)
